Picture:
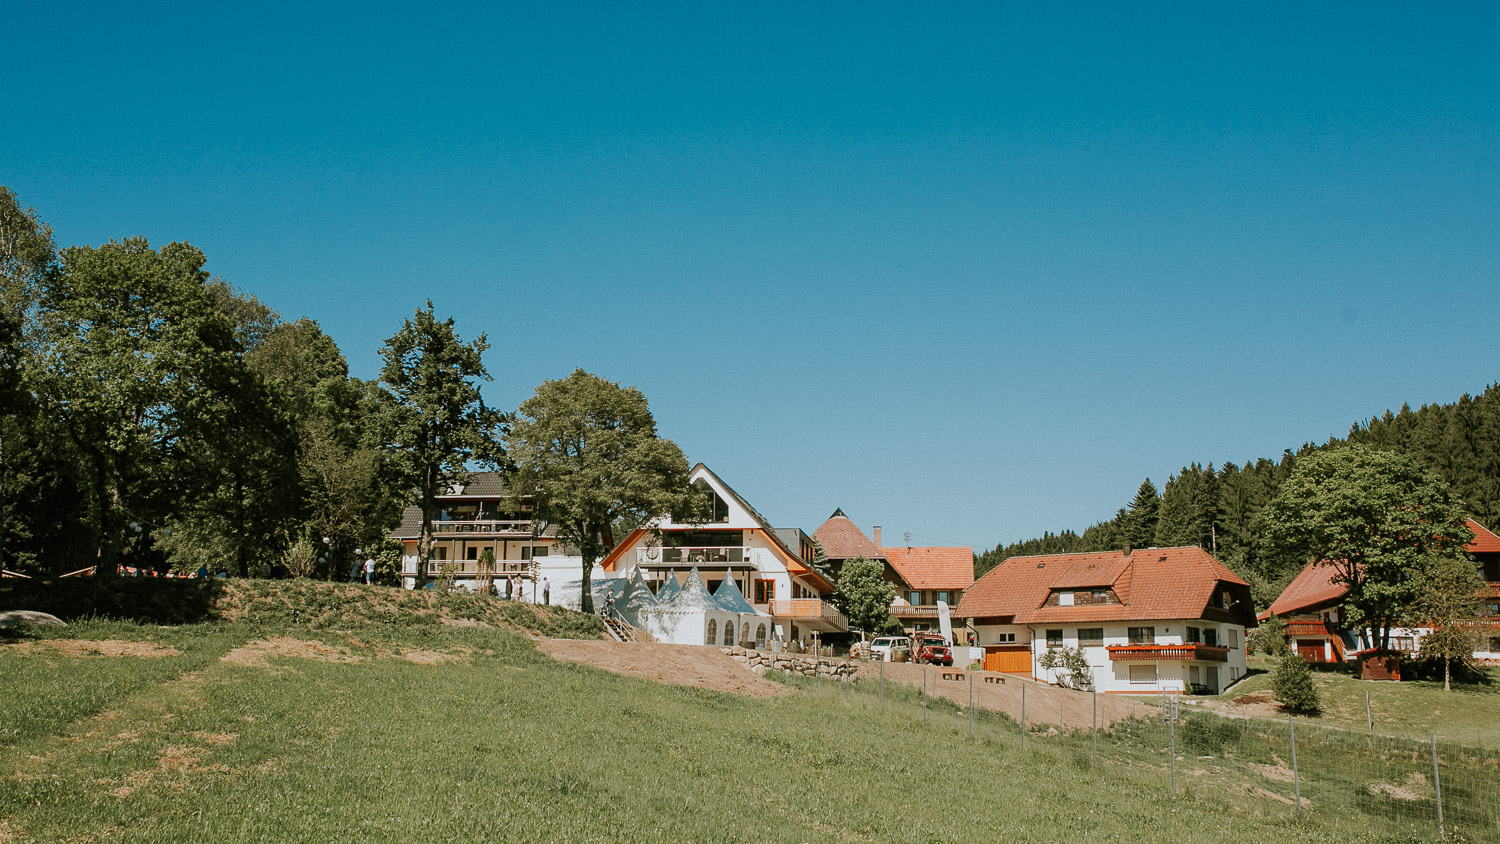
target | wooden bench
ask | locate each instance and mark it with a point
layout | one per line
(996, 680)
(953, 675)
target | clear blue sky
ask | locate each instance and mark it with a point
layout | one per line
(968, 271)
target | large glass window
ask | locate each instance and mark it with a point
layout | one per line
(728, 632)
(1054, 639)
(1194, 635)
(765, 591)
(1143, 636)
(718, 511)
(1211, 636)
(940, 597)
(1091, 636)
(914, 598)
(713, 631)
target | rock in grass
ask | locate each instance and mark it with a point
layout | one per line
(11, 618)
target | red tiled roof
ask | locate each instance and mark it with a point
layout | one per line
(1485, 541)
(1153, 583)
(1313, 587)
(843, 540)
(938, 567)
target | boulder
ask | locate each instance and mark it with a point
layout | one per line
(11, 618)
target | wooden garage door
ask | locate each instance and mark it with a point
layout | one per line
(1310, 649)
(1013, 660)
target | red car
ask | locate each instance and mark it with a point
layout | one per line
(934, 651)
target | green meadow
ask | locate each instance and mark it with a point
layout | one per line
(219, 731)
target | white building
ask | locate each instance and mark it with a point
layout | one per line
(1149, 620)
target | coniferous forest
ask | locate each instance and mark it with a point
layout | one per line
(1217, 507)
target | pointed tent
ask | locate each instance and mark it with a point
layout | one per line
(729, 597)
(636, 596)
(669, 588)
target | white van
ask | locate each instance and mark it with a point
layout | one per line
(881, 647)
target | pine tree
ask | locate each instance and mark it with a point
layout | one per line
(1140, 523)
(1292, 685)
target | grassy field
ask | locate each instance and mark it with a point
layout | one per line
(256, 730)
(1469, 714)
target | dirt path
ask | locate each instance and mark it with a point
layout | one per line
(680, 665)
(1044, 704)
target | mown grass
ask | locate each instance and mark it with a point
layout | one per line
(507, 745)
(1470, 713)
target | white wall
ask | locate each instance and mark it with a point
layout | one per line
(1114, 675)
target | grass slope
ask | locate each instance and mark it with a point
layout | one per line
(499, 743)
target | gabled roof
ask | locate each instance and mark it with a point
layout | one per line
(843, 540)
(1485, 540)
(933, 567)
(1155, 583)
(1313, 588)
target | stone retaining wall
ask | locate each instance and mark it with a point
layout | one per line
(808, 666)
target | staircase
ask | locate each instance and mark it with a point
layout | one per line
(621, 630)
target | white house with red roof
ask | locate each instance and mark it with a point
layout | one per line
(1148, 620)
(1311, 605)
(771, 567)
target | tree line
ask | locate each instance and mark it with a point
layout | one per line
(1221, 508)
(154, 416)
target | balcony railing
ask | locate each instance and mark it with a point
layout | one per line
(508, 526)
(1309, 627)
(499, 568)
(1190, 650)
(795, 608)
(690, 556)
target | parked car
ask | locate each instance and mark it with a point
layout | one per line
(935, 651)
(882, 646)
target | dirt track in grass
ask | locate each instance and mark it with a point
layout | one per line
(679, 665)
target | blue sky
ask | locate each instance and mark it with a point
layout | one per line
(967, 271)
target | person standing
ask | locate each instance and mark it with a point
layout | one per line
(546, 591)
(369, 571)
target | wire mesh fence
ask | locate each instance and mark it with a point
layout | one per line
(1351, 782)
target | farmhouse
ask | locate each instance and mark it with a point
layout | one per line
(922, 576)
(1150, 619)
(1311, 605)
(770, 568)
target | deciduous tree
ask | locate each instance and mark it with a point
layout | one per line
(588, 452)
(864, 596)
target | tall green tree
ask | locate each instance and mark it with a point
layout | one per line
(136, 359)
(1449, 600)
(864, 596)
(589, 453)
(1379, 519)
(1139, 527)
(436, 422)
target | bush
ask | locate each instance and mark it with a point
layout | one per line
(1209, 735)
(1292, 685)
(1270, 637)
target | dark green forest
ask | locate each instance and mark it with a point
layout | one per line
(1217, 507)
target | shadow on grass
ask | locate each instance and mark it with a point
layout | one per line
(144, 599)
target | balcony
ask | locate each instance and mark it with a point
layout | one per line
(1189, 651)
(487, 527)
(500, 568)
(1309, 627)
(689, 556)
(808, 608)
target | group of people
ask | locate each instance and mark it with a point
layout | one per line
(515, 588)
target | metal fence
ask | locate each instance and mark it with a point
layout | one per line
(1349, 781)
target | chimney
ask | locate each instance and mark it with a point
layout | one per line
(1127, 549)
(877, 536)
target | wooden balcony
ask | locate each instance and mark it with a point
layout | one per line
(483, 527)
(1189, 651)
(808, 608)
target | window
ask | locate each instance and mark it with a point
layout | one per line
(1143, 674)
(1143, 636)
(1194, 635)
(728, 632)
(1211, 637)
(1213, 679)
(1090, 636)
(940, 597)
(1195, 675)
(471, 553)
(1492, 608)
(914, 598)
(765, 591)
(1101, 596)
(1234, 638)
(439, 552)
(1494, 644)
(760, 635)
(713, 631)
(527, 551)
(1054, 639)
(718, 510)
(1005, 638)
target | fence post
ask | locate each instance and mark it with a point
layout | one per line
(1369, 722)
(1291, 730)
(924, 691)
(1437, 786)
(1023, 716)
(1094, 749)
(1172, 747)
(882, 679)
(971, 703)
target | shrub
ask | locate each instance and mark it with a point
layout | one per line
(1292, 685)
(1209, 735)
(1074, 666)
(1270, 637)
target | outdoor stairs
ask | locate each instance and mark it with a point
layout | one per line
(623, 631)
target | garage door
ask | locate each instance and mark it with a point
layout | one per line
(1310, 649)
(1015, 660)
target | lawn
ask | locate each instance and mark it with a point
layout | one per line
(470, 733)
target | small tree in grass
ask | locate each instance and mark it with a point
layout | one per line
(864, 596)
(1292, 684)
(1075, 671)
(1450, 603)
